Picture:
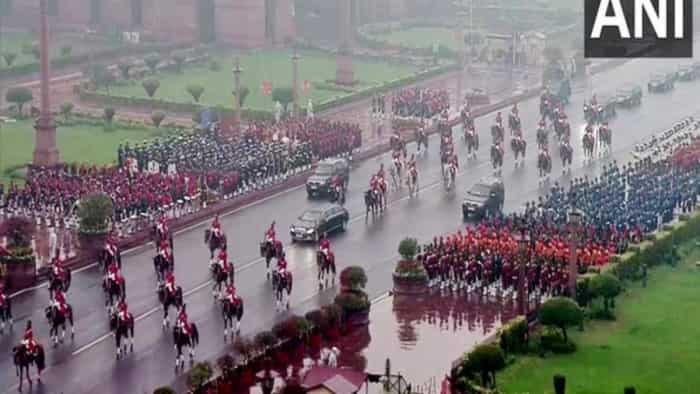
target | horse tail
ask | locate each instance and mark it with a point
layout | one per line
(195, 335)
(240, 310)
(40, 358)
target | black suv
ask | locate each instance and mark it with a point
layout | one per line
(483, 199)
(320, 183)
(316, 223)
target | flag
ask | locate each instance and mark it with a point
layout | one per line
(267, 88)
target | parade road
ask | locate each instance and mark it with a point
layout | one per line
(88, 363)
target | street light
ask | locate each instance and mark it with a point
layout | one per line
(523, 239)
(575, 220)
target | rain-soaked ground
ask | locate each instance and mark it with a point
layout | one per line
(423, 335)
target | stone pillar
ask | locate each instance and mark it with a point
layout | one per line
(344, 74)
(45, 152)
(237, 93)
(295, 83)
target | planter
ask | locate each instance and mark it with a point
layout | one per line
(409, 285)
(20, 274)
(92, 243)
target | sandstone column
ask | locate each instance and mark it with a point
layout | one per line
(295, 83)
(237, 93)
(344, 74)
(45, 152)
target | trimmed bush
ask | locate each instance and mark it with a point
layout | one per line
(195, 91)
(19, 96)
(9, 58)
(199, 375)
(164, 390)
(152, 61)
(560, 312)
(151, 86)
(408, 248)
(607, 287)
(157, 118)
(353, 278)
(513, 335)
(484, 360)
(352, 301)
(94, 213)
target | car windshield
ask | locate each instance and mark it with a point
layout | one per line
(310, 216)
(324, 169)
(480, 190)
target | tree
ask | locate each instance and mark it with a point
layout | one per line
(164, 390)
(179, 58)
(66, 110)
(284, 95)
(244, 94)
(9, 58)
(66, 50)
(94, 213)
(100, 76)
(124, 69)
(108, 114)
(19, 96)
(195, 91)
(199, 375)
(607, 287)
(150, 86)
(561, 312)
(485, 360)
(152, 61)
(157, 118)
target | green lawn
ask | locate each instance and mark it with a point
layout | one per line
(420, 37)
(653, 345)
(85, 144)
(274, 66)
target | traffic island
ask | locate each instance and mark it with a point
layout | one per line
(18, 260)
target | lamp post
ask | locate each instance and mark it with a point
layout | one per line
(295, 83)
(237, 92)
(523, 240)
(575, 217)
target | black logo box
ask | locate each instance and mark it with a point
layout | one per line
(612, 45)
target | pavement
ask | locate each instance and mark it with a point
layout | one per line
(87, 364)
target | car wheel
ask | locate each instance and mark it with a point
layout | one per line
(343, 225)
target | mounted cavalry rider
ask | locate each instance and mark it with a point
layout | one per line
(59, 301)
(282, 263)
(380, 172)
(170, 286)
(162, 226)
(499, 120)
(114, 274)
(28, 339)
(325, 247)
(164, 251)
(514, 110)
(231, 295)
(183, 321)
(453, 162)
(270, 235)
(111, 248)
(216, 227)
(224, 263)
(122, 307)
(3, 296)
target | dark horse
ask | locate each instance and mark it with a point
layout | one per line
(214, 242)
(113, 290)
(23, 359)
(282, 285)
(372, 203)
(270, 250)
(105, 259)
(157, 237)
(162, 266)
(57, 319)
(123, 330)
(181, 340)
(220, 277)
(168, 299)
(6, 315)
(326, 268)
(56, 283)
(231, 311)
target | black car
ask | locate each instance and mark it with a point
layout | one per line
(320, 183)
(483, 199)
(659, 83)
(629, 96)
(315, 223)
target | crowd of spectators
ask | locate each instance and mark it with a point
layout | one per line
(420, 103)
(174, 175)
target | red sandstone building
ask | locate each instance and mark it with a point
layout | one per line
(240, 23)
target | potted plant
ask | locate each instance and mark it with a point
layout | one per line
(95, 217)
(19, 261)
(199, 376)
(409, 275)
(352, 300)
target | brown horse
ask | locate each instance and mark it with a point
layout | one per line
(23, 359)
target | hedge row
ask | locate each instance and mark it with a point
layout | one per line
(104, 99)
(62, 62)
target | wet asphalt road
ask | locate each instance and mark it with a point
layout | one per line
(88, 363)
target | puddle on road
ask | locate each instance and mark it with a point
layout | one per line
(423, 335)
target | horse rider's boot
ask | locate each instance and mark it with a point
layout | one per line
(191, 354)
(225, 332)
(238, 326)
(165, 322)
